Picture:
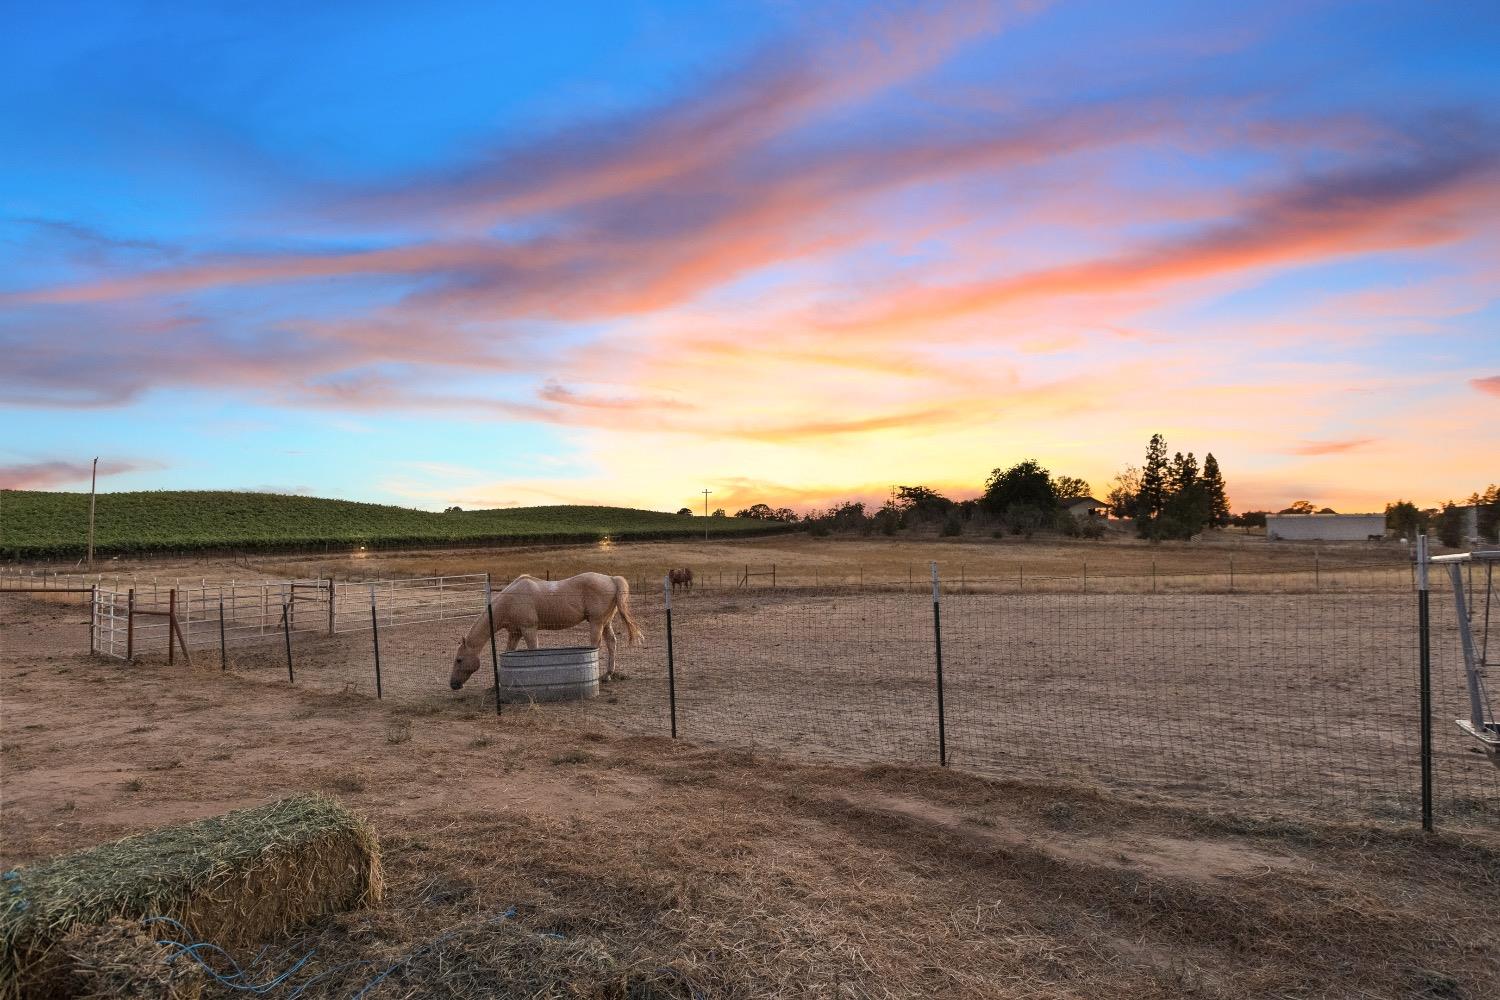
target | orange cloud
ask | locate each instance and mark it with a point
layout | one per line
(1490, 385)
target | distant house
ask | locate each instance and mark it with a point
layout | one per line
(1081, 507)
(1325, 527)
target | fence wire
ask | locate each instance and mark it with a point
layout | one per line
(1292, 697)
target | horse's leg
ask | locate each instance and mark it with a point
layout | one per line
(529, 634)
(609, 646)
(596, 637)
(514, 639)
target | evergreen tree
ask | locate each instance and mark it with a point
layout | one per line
(1185, 511)
(1215, 493)
(1450, 525)
(1153, 495)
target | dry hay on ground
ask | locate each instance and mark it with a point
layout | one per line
(234, 879)
(124, 959)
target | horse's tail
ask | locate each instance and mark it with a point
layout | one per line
(633, 633)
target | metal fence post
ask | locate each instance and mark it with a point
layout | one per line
(223, 646)
(286, 632)
(489, 610)
(937, 639)
(666, 586)
(130, 626)
(171, 621)
(375, 637)
(93, 614)
(330, 605)
(1424, 679)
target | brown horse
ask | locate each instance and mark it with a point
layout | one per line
(680, 578)
(528, 604)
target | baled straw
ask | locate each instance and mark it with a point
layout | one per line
(234, 879)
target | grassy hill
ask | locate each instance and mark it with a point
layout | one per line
(36, 525)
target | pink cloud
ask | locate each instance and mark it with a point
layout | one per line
(1490, 384)
(48, 475)
(1374, 206)
(1330, 447)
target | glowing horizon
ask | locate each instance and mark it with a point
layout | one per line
(618, 254)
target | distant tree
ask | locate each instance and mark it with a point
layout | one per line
(453, 510)
(1488, 514)
(953, 524)
(719, 512)
(1450, 525)
(685, 512)
(765, 512)
(1299, 507)
(1403, 518)
(1186, 510)
(1152, 499)
(918, 503)
(1070, 487)
(1250, 519)
(1125, 494)
(1022, 494)
(1214, 492)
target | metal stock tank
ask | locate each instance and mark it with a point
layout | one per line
(562, 673)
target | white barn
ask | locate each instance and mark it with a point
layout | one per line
(1324, 527)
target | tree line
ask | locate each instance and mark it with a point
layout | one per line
(1447, 521)
(1166, 498)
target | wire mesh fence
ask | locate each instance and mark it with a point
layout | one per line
(1291, 698)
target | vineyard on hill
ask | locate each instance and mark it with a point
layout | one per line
(39, 525)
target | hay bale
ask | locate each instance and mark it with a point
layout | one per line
(123, 959)
(235, 880)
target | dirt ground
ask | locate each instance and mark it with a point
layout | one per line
(642, 867)
(1289, 704)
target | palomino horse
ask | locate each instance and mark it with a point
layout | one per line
(528, 604)
(680, 578)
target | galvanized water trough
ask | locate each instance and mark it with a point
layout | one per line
(561, 673)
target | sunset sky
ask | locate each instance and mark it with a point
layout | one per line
(501, 253)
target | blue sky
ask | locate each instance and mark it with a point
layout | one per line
(509, 254)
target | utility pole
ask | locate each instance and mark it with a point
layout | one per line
(93, 483)
(705, 514)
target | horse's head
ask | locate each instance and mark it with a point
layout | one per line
(464, 665)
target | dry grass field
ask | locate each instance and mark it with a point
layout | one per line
(639, 867)
(1002, 565)
(803, 561)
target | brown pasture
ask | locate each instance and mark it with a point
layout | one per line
(798, 841)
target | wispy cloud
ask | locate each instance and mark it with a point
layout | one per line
(1330, 447)
(59, 472)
